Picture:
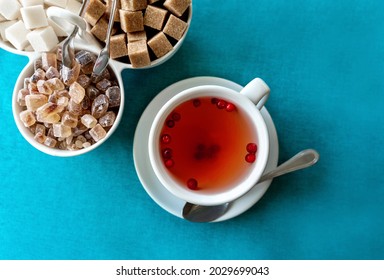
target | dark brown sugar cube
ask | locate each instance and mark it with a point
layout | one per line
(100, 29)
(109, 8)
(175, 27)
(136, 36)
(138, 54)
(177, 7)
(133, 5)
(160, 44)
(95, 10)
(131, 21)
(118, 46)
(155, 17)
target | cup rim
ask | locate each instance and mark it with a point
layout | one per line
(28, 135)
(251, 178)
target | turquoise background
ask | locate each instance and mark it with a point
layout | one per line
(324, 61)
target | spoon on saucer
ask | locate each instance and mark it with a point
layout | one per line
(103, 58)
(203, 214)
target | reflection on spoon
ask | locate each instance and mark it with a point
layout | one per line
(68, 52)
(202, 214)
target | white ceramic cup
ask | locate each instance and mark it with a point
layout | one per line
(249, 101)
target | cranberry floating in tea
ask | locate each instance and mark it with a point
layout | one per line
(213, 143)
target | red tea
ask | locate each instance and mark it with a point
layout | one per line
(207, 143)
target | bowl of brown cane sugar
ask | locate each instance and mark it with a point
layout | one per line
(146, 33)
(67, 111)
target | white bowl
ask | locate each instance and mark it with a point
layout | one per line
(29, 136)
(60, 16)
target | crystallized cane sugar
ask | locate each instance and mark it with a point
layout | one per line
(28, 118)
(114, 95)
(97, 132)
(88, 120)
(35, 101)
(68, 114)
(48, 60)
(108, 119)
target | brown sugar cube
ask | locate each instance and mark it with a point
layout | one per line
(118, 47)
(133, 5)
(131, 21)
(100, 29)
(136, 36)
(109, 8)
(155, 17)
(152, 1)
(138, 54)
(160, 44)
(94, 12)
(177, 7)
(175, 27)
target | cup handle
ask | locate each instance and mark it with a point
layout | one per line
(257, 91)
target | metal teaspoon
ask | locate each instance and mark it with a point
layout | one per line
(202, 214)
(103, 58)
(67, 49)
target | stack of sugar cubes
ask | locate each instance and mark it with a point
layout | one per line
(144, 30)
(25, 25)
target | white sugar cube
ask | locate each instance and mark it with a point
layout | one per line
(10, 9)
(2, 18)
(58, 3)
(34, 16)
(43, 39)
(17, 35)
(73, 6)
(4, 25)
(27, 3)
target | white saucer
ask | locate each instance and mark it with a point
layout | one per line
(146, 174)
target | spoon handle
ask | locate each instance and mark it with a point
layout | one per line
(110, 23)
(103, 57)
(67, 49)
(301, 160)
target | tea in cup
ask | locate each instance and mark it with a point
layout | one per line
(209, 144)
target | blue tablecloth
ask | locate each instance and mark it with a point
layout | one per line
(324, 62)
